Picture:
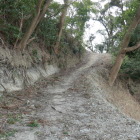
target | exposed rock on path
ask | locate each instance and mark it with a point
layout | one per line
(75, 107)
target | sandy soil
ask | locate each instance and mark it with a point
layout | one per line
(75, 106)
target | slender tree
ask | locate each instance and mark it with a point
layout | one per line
(60, 25)
(41, 9)
(124, 48)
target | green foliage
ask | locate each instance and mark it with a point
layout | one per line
(116, 25)
(12, 119)
(33, 124)
(11, 14)
(65, 133)
(48, 31)
(131, 66)
(76, 21)
(34, 52)
(48, 28)
(135, 36)
(125, 18)
(69, 43)
(132, 6)
(100, 47)
(4, 135)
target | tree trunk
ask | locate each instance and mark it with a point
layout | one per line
(39, 15)
(60, 28)
(123, 45)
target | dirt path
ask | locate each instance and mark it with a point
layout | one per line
(75, 108)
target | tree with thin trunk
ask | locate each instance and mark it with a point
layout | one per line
(124, 48)
(41, 9)
(61, 24)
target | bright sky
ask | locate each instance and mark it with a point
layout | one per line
(94, 26)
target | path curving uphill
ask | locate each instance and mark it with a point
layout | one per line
(76, 107)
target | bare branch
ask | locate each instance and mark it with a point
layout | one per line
(30, 40)
(129, 49)
(38, 8)
(42, 14)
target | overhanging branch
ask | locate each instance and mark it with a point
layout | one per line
(129, 49)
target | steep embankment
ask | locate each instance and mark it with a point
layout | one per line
(119, 94)
(79, 105)
(21, 69)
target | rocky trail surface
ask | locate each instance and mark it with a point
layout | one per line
(75, 107)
